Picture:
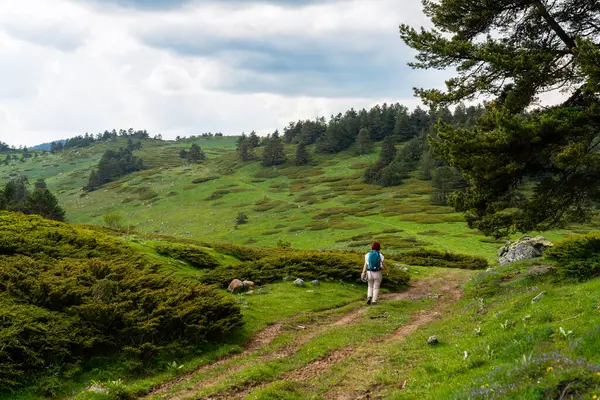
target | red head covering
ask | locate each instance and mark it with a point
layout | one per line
(375, 246)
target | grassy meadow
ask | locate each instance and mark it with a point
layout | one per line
(323, 205)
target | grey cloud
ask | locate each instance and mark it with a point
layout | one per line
(161, 5)
(298, 66)
(59, 36)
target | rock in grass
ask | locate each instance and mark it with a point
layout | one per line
(433, 340)
(299, 282)
(315, 282)
(538, 297)
(95, 388)
(236, 286)
(525, 248)
(248, 284)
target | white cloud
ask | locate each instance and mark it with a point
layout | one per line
(69, 67)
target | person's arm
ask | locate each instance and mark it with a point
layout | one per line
(365, 266)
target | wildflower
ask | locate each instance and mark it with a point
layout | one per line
(549, 369)
(594, 397)
(598, 374)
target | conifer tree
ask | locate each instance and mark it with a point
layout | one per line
(364, 142)
(537, 46)
(387, 155)
(301, 154)
(195, 154)
(244, 150)
(253, 140)
(274, 151)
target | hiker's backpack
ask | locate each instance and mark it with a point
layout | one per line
(374, 261)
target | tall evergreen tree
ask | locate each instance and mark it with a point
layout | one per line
(253, 139)
(364, 142)
(273, 153)
(245, 150)
(386, 157)
(537, 46)
(403, 129)
(43, 203)
(301, 154)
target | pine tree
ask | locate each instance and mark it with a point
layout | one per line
(364, 142)
(195, 154)
(386, 157)
(43, 203)
(301, 154)
(403, 129)
(537, 46)
(17, 197)
(253, 140)
(244, 150)
(274, 151)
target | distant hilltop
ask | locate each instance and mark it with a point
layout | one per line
(46, 146)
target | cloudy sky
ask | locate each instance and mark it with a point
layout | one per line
(183, 67)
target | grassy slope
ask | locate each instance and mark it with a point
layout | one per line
(313, 206)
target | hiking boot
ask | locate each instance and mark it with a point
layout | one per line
(368, 300)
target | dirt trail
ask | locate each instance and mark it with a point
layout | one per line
(419, 290)
(449, 288)
(260, 340)
(445, 289)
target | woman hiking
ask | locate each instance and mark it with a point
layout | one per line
(374, 265)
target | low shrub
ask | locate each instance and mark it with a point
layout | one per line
(577, 258)
(193, 255)
(242, 253)
(432, 218)
(307, 265)
(217, 194)
(68, 294)
(271, 232)
(145, 193)
(432, 258)
(205, 179)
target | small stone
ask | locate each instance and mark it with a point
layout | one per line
(249, 292)
(236, 286)
(299, 282)
(433, 340)
(95, 388)
(310, 291)
(315, 282)
(538, 297)
(248, 284)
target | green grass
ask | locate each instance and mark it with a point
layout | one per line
(322, 204)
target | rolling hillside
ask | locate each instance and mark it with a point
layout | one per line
(320, 205)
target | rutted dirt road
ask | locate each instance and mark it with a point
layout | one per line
(444, 289)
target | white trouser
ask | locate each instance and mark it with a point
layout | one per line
(374, 278)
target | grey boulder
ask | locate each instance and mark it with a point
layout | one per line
(524, 248)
